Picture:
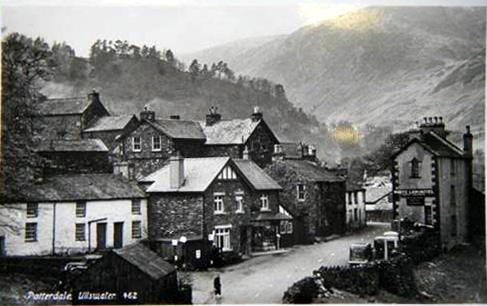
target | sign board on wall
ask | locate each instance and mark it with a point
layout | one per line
(415, 201)
(415, 192)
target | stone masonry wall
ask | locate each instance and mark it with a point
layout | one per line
(261, 145)
(174, 215)
(58, 127)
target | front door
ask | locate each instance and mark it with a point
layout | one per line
(101, 236)
(118, 235)
(2, 246)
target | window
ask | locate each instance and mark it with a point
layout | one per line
(428, 217)
(156, 143)
(452, 167)
(136, 229)
(453, 225)
(277, 148)
(32, 210)
(227, 174)
(301, 188)
(350, 198)
(80, 233)
(81, 209)
(286, 227)
(355, 197)
(218, 201)
(136, 144)
(355, 214)
(136, 207)
(239, 204)
(30, 232)
(453, 198)
(264, 202)
(222, 238)
(415, 168)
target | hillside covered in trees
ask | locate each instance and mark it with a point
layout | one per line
(130, 77)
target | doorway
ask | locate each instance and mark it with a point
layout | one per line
(101, 236)
(118, 235)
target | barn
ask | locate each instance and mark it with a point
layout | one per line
(131, 275)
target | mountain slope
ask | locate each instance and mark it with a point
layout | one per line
(379, 65)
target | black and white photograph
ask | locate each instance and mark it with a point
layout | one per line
(242, 152)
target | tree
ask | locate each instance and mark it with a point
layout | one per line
(381, 158)
(194, 70)
(25, 63)
(170, 57)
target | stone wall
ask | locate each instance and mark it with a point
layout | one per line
(175, 215)
(76, 162)
(261, 145)
(234, 151)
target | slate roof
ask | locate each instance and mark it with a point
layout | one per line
(435, 144)
(110, 123)
(73, 187)
(256, 176)
(178, 129)
(65, 106)
(375, 194)
(235, 131)
(313, 171)
(198, 175)
(83, 145)
(145, 260)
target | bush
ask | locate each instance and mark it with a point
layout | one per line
(302, 292)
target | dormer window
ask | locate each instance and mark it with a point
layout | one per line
(415, 168)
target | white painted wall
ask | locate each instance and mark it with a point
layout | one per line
(65, 224)
(359, 205)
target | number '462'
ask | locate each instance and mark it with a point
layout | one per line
(130, 295)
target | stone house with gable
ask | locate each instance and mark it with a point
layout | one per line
(314, 195)
(149, 146)
(432, 182)
(228, 203)
(66, 118)
(73, 213)
(110, 128)
(236, 136)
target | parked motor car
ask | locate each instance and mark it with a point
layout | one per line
(384, 246)
(360, 253)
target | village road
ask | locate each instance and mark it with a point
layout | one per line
(264, 279)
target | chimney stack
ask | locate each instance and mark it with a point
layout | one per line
(257, 115)
(147, 114)
(245, 154)
(213, 116)
(468, 143)
(176, 171)
(94, 96)
(434, 124)
(125, 169)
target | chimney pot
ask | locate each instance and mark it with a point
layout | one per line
(175, 117)
(436, 119)
(257, 115)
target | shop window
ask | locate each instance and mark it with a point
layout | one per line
(222, 238)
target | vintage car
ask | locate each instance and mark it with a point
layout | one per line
(360, 253)
(385, 245)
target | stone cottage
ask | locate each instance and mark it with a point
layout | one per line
(314, 196)
(198, 202)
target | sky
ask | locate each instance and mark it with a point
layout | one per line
(183, 26)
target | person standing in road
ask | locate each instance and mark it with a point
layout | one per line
(218, 286)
